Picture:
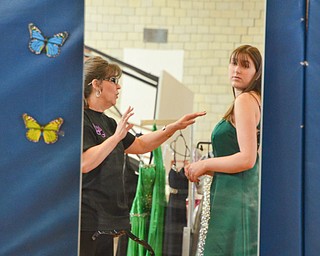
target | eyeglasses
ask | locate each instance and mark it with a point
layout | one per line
(112, 80)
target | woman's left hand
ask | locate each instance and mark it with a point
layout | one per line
(194, 170)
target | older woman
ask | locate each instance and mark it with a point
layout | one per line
(104, 144)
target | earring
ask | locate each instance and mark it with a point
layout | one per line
(98, 93)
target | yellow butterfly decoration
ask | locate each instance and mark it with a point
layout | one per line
(49, 131)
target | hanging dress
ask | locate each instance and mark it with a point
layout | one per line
(176, 213)
(156, 229)
(233, 222)
(147, 212)
(203, 213)
(204, 216)
(141, 209)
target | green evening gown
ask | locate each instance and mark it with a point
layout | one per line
(156, 228)
(233, 223)
(148, 208)
(141, 209)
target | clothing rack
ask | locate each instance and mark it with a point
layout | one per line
(201, 143)
(188, 231)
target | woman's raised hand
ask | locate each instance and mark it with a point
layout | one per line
(187, 120)
(123, 125)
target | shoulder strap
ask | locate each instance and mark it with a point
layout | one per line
(258, 127)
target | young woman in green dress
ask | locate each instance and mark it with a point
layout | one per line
(233, 223)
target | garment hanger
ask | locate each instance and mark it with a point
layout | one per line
(173, 147)
(174, 142)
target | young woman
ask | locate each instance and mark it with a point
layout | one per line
(232, 229)
(103, 208)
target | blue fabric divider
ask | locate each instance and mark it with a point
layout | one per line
(40, 183)
(312, 134)
(282, 142)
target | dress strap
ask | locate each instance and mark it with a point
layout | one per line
(258, 127)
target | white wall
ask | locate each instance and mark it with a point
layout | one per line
(141, 96)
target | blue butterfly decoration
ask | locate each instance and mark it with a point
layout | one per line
(51, 44)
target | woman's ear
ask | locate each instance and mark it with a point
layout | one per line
(95, 84)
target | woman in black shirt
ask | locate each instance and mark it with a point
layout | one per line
(105, 142)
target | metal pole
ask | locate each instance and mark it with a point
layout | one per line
(187, 231)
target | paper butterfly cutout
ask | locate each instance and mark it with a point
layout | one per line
(51, 44)
(49, 131)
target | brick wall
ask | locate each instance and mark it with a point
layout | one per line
(207, 31)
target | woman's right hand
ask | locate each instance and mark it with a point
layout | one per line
(187, 120)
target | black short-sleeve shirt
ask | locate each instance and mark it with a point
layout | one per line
(104, 206)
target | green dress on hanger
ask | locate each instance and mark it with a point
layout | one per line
(141, 209)
(148, 208)
(233, 224)
(156, 229)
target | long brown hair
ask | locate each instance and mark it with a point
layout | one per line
(98, 68)
(241, 55)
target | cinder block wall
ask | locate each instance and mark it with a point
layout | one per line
(207, 31)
